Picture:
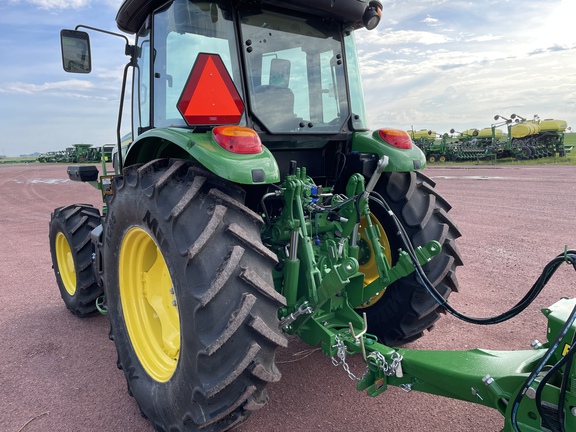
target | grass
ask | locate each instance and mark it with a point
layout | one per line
(569, 159)
(570, 139)
(12, 160)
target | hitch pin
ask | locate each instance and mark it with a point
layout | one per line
(360, 336)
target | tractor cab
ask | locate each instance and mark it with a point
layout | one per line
(290, 73)
(274, 79)
(288, 67)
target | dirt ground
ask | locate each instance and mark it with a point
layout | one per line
(58, 372)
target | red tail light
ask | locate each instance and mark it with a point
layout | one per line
(238, 139)
(396, 138)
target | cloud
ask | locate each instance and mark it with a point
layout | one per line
(553, 48)
(67, 86)
(62, 5)
(452, 66)
(432, 22)
(485, 38)
(391, 37)
(55, 4)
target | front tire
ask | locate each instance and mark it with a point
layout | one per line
(190, 297)
(71, 250)
(406, 310)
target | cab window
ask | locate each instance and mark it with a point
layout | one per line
(295, 73)
(181, 32)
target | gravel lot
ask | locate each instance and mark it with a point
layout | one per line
(58, 372)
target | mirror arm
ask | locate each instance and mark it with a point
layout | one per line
(129, 51)
(103, 31)
(119, 123)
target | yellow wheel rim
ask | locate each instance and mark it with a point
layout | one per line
(432, 159)
(442, 159)
(149, 304)
(366, 257)
(65, 261)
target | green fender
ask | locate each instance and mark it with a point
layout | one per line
(186, 144)
(401, 160)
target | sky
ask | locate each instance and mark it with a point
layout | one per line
(430, 64)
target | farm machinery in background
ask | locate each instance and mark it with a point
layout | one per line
(468, 145)
(524, 139)
(51, 156)
(252, 202)
(79, 153)
(533, 139)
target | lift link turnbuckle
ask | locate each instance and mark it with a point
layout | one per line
(303, 309)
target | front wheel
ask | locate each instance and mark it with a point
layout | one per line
(405, 309)
(71, 250)
(190, 297)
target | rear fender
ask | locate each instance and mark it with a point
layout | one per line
(185, 144)
(401, 160)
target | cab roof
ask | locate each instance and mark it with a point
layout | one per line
(133, 13)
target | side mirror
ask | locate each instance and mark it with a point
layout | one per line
(75, 51)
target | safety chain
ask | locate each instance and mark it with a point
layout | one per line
(341, 353)
(389, 369)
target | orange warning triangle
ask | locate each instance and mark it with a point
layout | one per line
(209, 96)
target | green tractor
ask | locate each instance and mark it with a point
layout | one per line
(47, 157)
(252, 202)
(81, 153)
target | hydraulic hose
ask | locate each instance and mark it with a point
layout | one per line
(566, 360)
(564, 385)
(549, 270)
(536, 371)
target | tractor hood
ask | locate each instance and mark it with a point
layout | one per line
(353, 13)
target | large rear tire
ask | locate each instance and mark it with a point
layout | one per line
(71, 250)
(405, 309)
(190, 297)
